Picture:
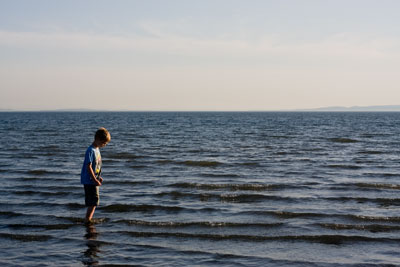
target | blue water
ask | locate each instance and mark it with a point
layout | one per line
(202, 189)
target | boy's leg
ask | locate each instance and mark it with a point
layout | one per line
(91, 200)
(89, 213)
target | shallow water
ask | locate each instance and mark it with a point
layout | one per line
(203, 189)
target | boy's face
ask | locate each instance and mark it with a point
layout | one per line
(102, 143)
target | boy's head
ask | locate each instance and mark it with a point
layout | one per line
(102, 137)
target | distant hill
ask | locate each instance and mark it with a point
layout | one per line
(50, 110)
(358, 108)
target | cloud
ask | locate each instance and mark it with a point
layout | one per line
(341, 48)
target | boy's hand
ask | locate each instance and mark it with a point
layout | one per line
(101, 180)
(98, 182)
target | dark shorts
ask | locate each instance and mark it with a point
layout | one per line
(92, 197)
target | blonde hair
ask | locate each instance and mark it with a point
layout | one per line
(102, 135)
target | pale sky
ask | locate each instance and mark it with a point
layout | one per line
(198, 55)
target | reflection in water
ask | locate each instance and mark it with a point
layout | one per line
(93, 247)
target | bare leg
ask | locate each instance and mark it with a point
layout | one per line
(89, 213)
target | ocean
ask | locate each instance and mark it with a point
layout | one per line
(202, 189)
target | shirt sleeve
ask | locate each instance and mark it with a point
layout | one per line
(90, 156)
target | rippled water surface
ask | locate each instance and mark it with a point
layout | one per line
(203, 189)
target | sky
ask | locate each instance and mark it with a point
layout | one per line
(189, 55)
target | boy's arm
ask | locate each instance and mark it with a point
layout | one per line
(92, 175)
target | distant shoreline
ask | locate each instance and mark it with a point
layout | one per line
(200, 111)
(389, 108)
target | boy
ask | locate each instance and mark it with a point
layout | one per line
(91, 170)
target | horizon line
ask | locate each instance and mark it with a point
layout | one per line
(277, 110)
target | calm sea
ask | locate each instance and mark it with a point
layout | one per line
(202, 189)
